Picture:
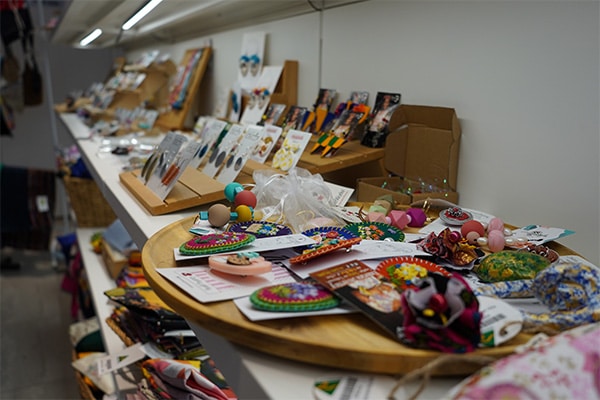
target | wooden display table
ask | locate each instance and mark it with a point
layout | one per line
(349, 341)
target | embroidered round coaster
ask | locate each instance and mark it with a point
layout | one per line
(260, 229)
(376, 231)
(407, 271)
(295, 296)
(216, 243)
(328, 239)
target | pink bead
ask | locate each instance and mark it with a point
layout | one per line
(376, 217)
(496, 241)
(472, 237)
(399, 219)
(417, 217)
(496, 224)
(454, 237)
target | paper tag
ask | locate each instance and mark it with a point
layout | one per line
(343, 388)
(127, 356)
(501, 321)
(42, 203)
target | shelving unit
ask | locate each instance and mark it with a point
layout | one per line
(100, 281)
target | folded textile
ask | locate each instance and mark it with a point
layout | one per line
(169, 378)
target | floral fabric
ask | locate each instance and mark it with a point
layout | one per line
(566, 366)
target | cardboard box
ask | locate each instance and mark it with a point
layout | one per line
(421, 156)
(114, 260)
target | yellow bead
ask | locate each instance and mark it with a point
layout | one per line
(244, 213)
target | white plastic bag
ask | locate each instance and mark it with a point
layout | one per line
(299, 199)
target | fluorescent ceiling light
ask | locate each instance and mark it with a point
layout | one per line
(176, 16)
(140, 14)
(91, 37)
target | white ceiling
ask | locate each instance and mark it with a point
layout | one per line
(173, 20)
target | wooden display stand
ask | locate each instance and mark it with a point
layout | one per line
(154, 90)
(175, 119)
(191, 190)
(286, 91)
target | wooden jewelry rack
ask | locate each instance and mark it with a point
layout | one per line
(195, 188)
(175, 119)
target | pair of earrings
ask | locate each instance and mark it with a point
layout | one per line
(259, 97)
(249, 64)
(284, 157)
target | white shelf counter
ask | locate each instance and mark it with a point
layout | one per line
(251, 374)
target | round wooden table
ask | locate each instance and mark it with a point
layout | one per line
(349, 341)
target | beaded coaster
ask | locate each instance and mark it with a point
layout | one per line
(406, 271)
(295, 296)
(329, 238)
(216, 243)
(376, 231)
(260, 229)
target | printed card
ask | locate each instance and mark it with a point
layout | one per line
(208, 137)
(240, 156)
(163, 184)
(222, 152)
(207, 285)
(270, 136)
(366, 290)
(291, 149)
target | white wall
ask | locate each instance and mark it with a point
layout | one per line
(522, 76)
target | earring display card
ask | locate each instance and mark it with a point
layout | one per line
(270, 136)
(174, 170)
(237, 160)
(260, 95)
(291, 150)
(251, 59)
(157, 163)
(223, 150)
(208, 138)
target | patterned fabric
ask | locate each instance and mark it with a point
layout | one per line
(508, 265)
(178, 379)
(570, 291)
(565, 366)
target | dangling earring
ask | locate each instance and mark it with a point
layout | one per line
(244, 64)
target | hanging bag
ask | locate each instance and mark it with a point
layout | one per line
(32, 82)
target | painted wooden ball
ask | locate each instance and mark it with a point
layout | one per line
(246, 198)
(218, 215)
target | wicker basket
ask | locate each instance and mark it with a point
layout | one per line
(85, 391)
(89, 205)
